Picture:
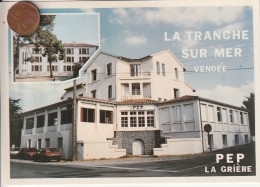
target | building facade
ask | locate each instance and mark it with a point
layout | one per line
(75, 53)
(124, 109)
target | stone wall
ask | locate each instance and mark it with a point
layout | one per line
(151, 139)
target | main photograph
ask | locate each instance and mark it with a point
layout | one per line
(167, 92)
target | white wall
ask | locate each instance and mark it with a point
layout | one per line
(103, 81)
(224, 127)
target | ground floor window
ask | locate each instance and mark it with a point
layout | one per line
(211, 142)
(60, 143)
(236, 140)
(137, 118)
(29, 143)
(106, 116)
(67, 68)
(36, 68)
(53, 68)
(39, 144)
(47, 142)
(224, 138)
(246, 139)
(87, 115)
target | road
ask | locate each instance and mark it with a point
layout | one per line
(191, 165)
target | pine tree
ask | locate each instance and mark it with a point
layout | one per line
(249, 103)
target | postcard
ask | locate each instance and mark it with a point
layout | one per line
(131, 92)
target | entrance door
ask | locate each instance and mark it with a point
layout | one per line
(138, 147)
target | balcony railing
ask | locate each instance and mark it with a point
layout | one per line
(135, 74)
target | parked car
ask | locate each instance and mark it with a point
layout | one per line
(47, 154)
(27, 153)
(14, 151)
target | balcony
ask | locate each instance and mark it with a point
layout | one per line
(134, 75)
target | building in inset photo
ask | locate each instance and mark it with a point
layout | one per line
(135, 107)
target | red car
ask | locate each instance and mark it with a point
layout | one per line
(47, 154)
(27, 153)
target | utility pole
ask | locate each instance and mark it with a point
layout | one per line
(74, 124)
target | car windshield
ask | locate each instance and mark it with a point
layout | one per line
(31, 150)
(52, 150)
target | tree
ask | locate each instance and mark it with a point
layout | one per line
(41, 36)
(249, 103)
(16, 122)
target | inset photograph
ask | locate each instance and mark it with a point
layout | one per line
(57, 50)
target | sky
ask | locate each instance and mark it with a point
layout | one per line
(137, 32)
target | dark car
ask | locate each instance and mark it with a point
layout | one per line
(27, 153)
(47, 154)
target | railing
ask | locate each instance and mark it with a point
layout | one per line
(135, 74)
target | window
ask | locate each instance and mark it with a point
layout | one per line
(106, 116)
(211, 113)
(29, 143)
(133, 122)
(141, 119)
(69, 59)
(40, 121)
(47, 142)
(165, 112)
(109, 69)
(84, 51)
(53, 68)
(38, 59)
(241, 118)
(36, 51)
(231, 115)
(94, 75)
(176, 74)
(158, 68)
(87, 115)
(176, 93)
(124, 119)
(224, 116)
(110, 92)
(236, 140)
(39, 143)
(93, 93)
(135, 70)
(83, 59)
(70, 51)
(246, 139)
(219, 114)
(188, 112)
(163, 69)
(29, 123)
(52, 119)
(67, 115)
(203, 112)
(36, 68)
(135, 89)
(150, 119)
(60, 143)
(224, 139)
(176, 113)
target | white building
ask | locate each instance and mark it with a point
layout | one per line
(135, 107)
(75, 53)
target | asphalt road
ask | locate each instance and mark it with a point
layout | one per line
(193, 165)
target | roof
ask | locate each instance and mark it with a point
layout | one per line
(84, 98)
(190, 98)
(48, 106)
(77, 86)
(137, 101)
(68, 45)
(79, 45)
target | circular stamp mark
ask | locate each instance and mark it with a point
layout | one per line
(23, 18)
